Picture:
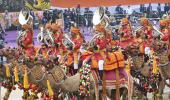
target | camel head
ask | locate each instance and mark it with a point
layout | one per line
(9, 53)
(132, 50)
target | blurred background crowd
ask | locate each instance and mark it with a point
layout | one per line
(83, 16)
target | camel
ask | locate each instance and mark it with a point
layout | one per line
(140, 65)
(56, 76)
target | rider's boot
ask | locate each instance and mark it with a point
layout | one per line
(100, 76)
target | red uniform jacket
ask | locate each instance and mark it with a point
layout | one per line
(77, 42)
(27, 43)
(101, 42)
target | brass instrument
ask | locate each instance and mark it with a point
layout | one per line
(67, 41)
(24, 18)
(100, 17)
(40, 35)
(48, 38)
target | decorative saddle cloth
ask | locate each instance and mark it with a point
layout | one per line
(110, 77)
(37, 72)
(113, 60)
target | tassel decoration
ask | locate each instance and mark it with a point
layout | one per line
(25, 82)
(128, 66)
(7, 70)
(50, 91)
(155, 66)
(16, 74)
(142, 49)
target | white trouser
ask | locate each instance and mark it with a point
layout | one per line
(75, 65)
(59, 57)
(101, 64)
(147, 51)
(76, 62)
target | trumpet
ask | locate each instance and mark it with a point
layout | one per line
(100, 17)
(40, 35)
(48, 38)
(94, 37)
(24, 16)
(20, 35)
(67, 41)
(154, 27)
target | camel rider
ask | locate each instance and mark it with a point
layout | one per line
(58, 49)
(147, 28)
(125, 32)
(146, 35)
(25, 41)
(77, 39)
(99, 50)
(43, 50)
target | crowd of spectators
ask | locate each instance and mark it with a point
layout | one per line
(11, 5)
(83, 16)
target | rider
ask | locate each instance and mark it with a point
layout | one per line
(77, 39)
(125, 32)
(147, 28)
(146, 36)
(58, 49)
(44, 47)
(26, 41)
(109, 39)
(99, 49)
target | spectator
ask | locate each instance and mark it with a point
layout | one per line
(36, 21)
(7, 19)
(73, 15)
(149, 10)
(159, 9)
(142, 8)
(166, 8)
(44, 20)
(119, 9)
(10, 21)
(89, 16)
(107, 12)
(129, 10)
(2, 37)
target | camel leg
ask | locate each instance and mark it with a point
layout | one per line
(113, 94)
(161, 86)
(100, 95)
(124, 93)
(96, 92)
